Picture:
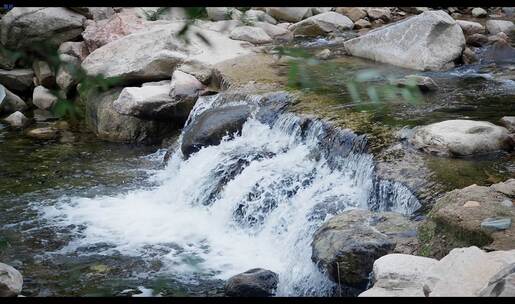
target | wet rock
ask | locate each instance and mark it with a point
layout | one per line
(25, 26)
(500, 52)
(469, 56)
(11, 281)
(362, 23)
(95, 13)
(501, 284)
(222, 13)
(375, 13)
(460, 138)
(322, 24)
(43, 133)
(43, 98)
(11, 102)
(443, 42)
(477, 40)
(465, 271)
(346, 246)
(479, 12)
(76, 49)
(213, 124)
(17, 120)
(353, 13)
(497, 26)
(17, 80)
(496, 224)
(470, 27)
(399, 275)
(255, 282)
(258, 16)
(509, 123)
(44, 75)
(250, 34)
(290, 14)
(424, 83)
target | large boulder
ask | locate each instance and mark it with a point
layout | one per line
(399, 275)
(108, 124)
(24, 26)
(429, 41)
(11, 281)
(250, 34)
(473, 216)
(274, 31)
(501, 284)
(43, 98)
(290, 14)
(213, 124)
(346, 246)
(185, 88)
(322, 24)
(11, 102)
(255, 282)
(460, 138)
(497, 26)
(17, 80)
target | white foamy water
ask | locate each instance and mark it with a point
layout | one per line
(253, 201)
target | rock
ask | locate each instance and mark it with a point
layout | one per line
(213, 124)
(501, 284)
(477, 40)
(414, 10)
(507, 187)
(17, 120)
(67, 73)
(320, 10)
(290, 14)
(11, 281)
(375, 13)
(424, 83)
(162, 13)
(26, 26)
(11, 102)
(147, 102)
(76, 49)
(18, 80)
(500, 52)
(255, 282)
(465, 271)
(251, 34)
(460, 138)
(399, 275)
(321, 24)
(323, 54)
(471, 204)
(221, 13)
(108, 124)
(497, 26)
(154, 55)
(346, 246)
(44, 74)
(258, 16)
(496, 224)
(353, 13)
(479, 12)
(469, 56)
(7, 59)
(224, 26)
(509, 123)
(452, 224)
(362, 23)
(44, 133)
(470, 27)
(274, 31)
(43, 98)
(44, 115)
(443, 42)
(95, 13)
(185, 88)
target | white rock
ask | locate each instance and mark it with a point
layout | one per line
(67, 73)
(470, 27)
(460, 138)
(149, 101)
(17, 120)
(322, 24)
(497, 26)
(509, 123)
(290, 14)
(43, 98)
(479, 12)
(250, 34)
(429, 41)
(11, 102)
(185, 86)
(11, 281)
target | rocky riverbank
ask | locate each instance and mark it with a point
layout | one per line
(136, 80)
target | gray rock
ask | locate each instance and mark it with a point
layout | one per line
(497, 26)
(250, 34)
(255, 282)
(424, 83)
(185, 87)
(24, 26)
(11, 281)
(43, 98)
(17, 120)
(11, 102)
(354, 13)
(346, 246)
(76, 49)
(509, 123)
(95, 13)
(477, 40)
(45, 133)
(429, 41)
(222, 13)
(274, 31)
(18, 80)
(362, 23)
(506, 187)
(44, 75)
(213, 124)
(479, 12)
(68, 72)
(496, 224)
(290, 14)
(258, 16)
(470, 27)
(502, 284)
(460, 138)
(322, 24)
(379, 13)
(44, 115)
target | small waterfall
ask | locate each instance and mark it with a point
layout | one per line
(252, 201)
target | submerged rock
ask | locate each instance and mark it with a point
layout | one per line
(255, 282)
(11, 281)
(44, 74)
(429, 41)
(496, 224)
(424, 83)
(461, 138)
(322, 24)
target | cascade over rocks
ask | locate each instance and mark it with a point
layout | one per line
(429, 41)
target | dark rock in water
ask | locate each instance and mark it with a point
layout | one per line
(496, 224)
(257, 282)
(11, 281)
(213, 124)
(477, 40)
(346, 246)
